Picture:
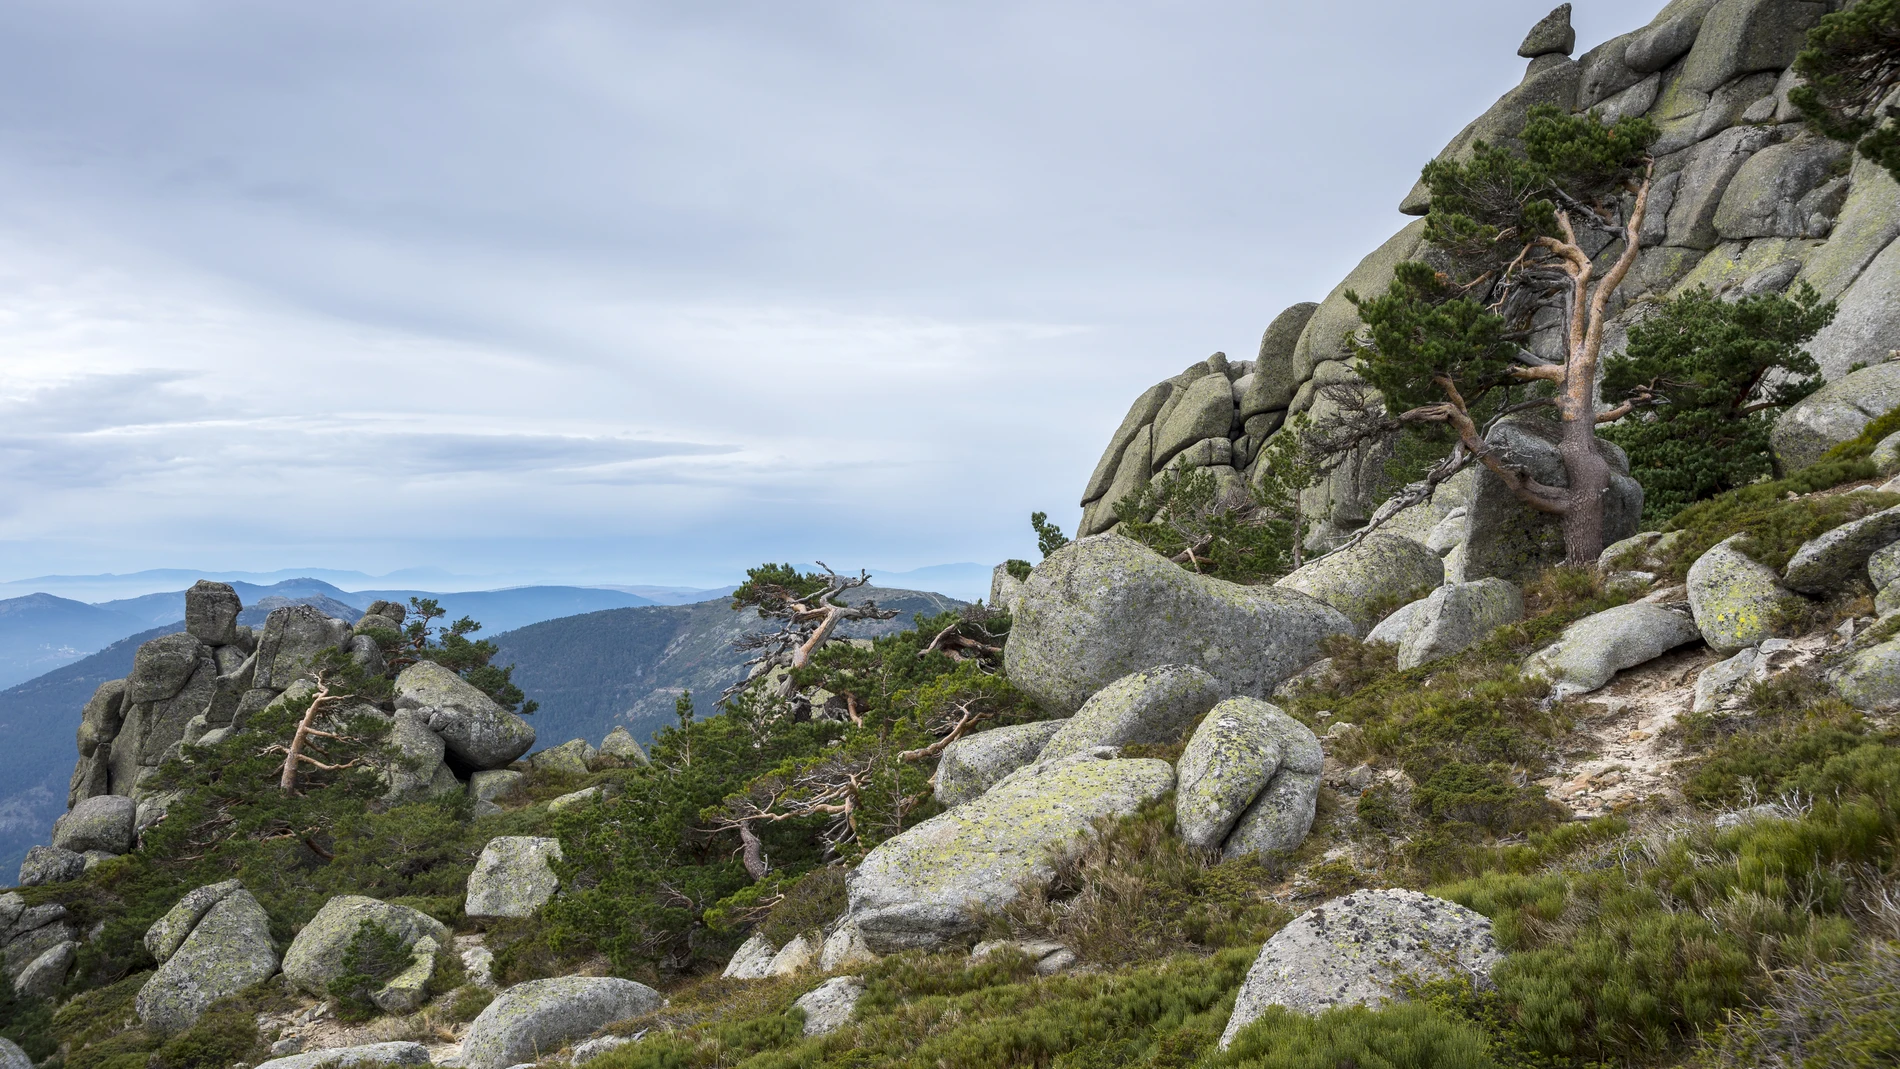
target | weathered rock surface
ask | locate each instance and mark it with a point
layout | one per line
(1103, 607)
(161, 667)
(211, 612)
(843, 948)
(1351, 951)
(531, 1020)
(799, 953)
(751, 960)
(1155, 705)
(1249, 779)
(169, 932)
(513, 877)
(46, 973)
(1595, 648)
(294, 637)
(1835, 413)
(229, 948)
(918, 888)
(975, 763)
(373, 1054)
(828, 1007)
(486, 786)
(569, 758)
(472, 726)
(1737, 602)
(1870, 679)
(315, 957)
(1456, 617)
(100, 823)
(419, 759)
(1837, 560)
(1356, 581)
(50, 864)
(12, 1057)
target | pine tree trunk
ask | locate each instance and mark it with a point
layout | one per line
(1589, 477)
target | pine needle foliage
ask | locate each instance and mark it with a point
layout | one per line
(1849, 68)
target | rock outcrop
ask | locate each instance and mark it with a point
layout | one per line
(1592, 650)
(1745, 199)
(1737, 602)
(1361, 578)
(532, 1020)
(370, 1054)
(975, 763)
(474, 728)
(315, 957)
(1455, 617)
(1100, 608)
(1352, 951)
(924, 886)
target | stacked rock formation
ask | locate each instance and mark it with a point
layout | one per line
(1746, 200)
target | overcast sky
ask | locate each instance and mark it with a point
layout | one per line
(640, 292)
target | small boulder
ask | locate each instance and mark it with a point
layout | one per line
(1592, 650)
(418, 757)
(471, 724)
(513, 877)
(621, 746)
(844, 947)
(169, 932)
(405, 992)
(315, 957)
(752, 960)
(485, 787)
(568, 759)
(828, 1006)
(1870, 679)
(46, 974)
(1838, 559)
(1553, 35)
(12, 1057)
(1886, 455)
(1737, 602)
(1155, 705)
(535, 1019)
(227, 950)
(1050, 956)
(1391, 630)
(372, 1054)
(103, 822)
(1359, 579)
(584, 796)
(50, 864)
(926, 886)
(211, 612)
(1104, 606)
(799, 953)
(1249, 779)
(1456, 617)
(1724, 684)
(975, 763)
(1352, 951)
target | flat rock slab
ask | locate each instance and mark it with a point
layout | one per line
(924, 887)
(1591, 651)
(1350, 952)
(1156, 706)
(342, 1057)
(1102, 607)
(532, 1020)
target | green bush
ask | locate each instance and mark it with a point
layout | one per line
(374, 956)
(226, 1034)
(812, 902)
(1775, 526)
(27, 1021)
(1403, 1036)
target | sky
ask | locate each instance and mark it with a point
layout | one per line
(643, 292)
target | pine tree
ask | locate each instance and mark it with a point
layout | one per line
(1510, 234)
(1852, 65)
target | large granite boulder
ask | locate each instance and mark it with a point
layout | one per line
(1354, 951)
(753, 959)
(621, 746)
(225, 948)
(294, 637)
(1763, 200)
(1156, 705)
(100, 823)
(513, 877)
(485, 787)
(418, 771)
(1837, 560)
(12, 1057)
(1835, 413)
(473, 727)
(1870, 678)
(1507, 539)
(1102, 607)
(1456, 617)
(975, 763)
(1737, 602)
(1866, 328)
(1592, 650)
(1249, 780)
(928, 885)
(1275, 378)
(530, 1021)
(570, 758)
(211, 612)
(162, 666)
(315, 957)
(1204, 410)
(1366, 576)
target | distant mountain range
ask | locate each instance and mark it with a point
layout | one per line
(628, 666)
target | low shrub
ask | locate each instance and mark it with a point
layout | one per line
(1775, 524)
(373, 957)
(1403, 1036)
